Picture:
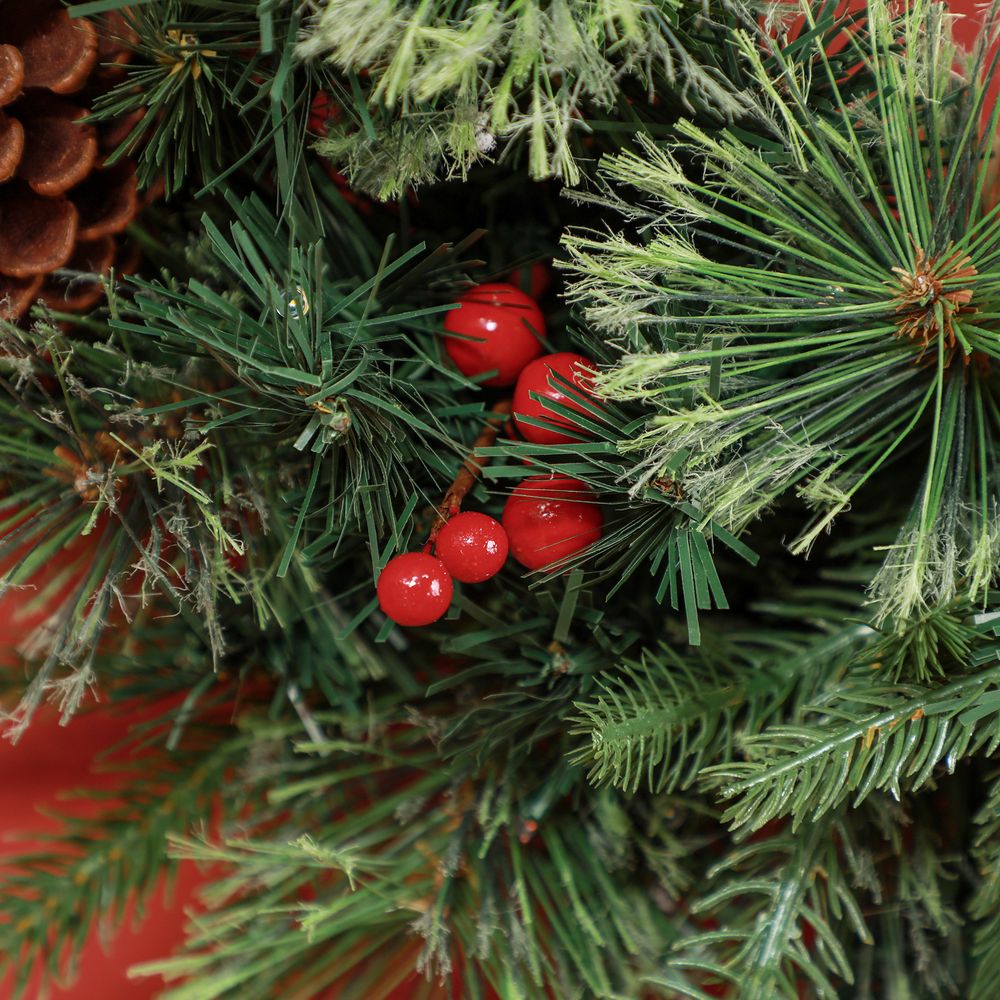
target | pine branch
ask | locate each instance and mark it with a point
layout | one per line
(207, 78)
(860, 738)
(929, 647)
(466, 862)
(984, 907)
(109, 479)
(658, 722)
(771, 891)
(334, 373)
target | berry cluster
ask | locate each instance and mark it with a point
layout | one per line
(416, 588)
(495, 336)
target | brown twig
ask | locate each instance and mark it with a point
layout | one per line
(470, 471)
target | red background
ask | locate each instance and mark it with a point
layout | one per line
(51, 759)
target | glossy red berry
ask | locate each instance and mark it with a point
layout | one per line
(549, 518)
(506, 326)
(537, 378)
(414, 589)
(472, 546)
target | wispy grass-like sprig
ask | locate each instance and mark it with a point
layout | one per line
(445, 83)
(811, 304)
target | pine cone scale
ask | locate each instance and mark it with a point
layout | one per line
(11, 74)
(59, 52)
(107, 201)
(60, 151)
(36, 234)
(17, 294)
(11, 146)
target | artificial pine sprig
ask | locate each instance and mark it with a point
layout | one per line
(657, 723)
(441, 83)
(98, 864)
(773, 886)
(985, 904)
(446, 868)
(106, 468)
(336, 379)
(789, 914)
(207, 77)
(796, 728)
(810, 311)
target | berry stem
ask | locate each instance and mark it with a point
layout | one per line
(470, 471)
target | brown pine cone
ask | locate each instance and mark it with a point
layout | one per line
(60, 206)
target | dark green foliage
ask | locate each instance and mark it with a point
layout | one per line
(659, 722)
(985, 906)
(484, 870)
(779, 885)
(144, 504)
(211, 77)
(326, 367)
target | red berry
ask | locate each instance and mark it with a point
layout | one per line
(322, 111)
(472, 546)
(507, 326)
(549, 518)
(414, 589)
(534, 279)
(537, 378)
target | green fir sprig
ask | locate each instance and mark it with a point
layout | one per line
(205, 78)
(441, 869)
